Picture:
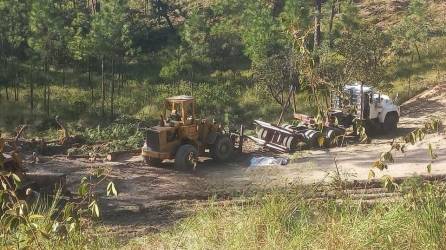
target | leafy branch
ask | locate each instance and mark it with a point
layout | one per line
(387, 157)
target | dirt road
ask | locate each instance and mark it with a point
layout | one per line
(153, 197)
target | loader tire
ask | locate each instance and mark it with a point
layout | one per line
(186, 157)
(154, 162)
(222, 148)
(390, 122)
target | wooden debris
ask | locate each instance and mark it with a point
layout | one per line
(115, 155)
(19, 130)
(73, 157)
(66, 135)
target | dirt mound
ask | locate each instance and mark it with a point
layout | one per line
(431, 102)
(436, 92)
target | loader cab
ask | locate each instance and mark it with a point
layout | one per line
(180, 110)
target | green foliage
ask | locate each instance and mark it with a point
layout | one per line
(414, 29)
(47, 44)
(117, 136)
(48, 36)
(363, 55)
(432, 126)
(110, 29)
(258, 31)
(13, 25)
(37, 222)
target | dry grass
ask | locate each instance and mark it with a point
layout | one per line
(284, 220)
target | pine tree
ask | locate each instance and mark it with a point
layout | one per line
(13, 34)
(48, 39)
(110, 39)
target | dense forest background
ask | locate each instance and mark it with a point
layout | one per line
(93, 61)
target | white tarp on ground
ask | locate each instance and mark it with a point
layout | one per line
(257, 161)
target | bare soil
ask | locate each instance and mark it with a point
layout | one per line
(151, 198)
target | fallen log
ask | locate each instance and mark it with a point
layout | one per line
(73, 157)
(115, 155)
(32, 141)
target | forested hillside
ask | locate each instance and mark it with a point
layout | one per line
(97, 60)
(90, 158)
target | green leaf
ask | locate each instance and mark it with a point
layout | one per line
(432, 155)
(83, 189)
(429, 168)
(84, 179)
(387, 156)
(94, 208)
(99, 172)
(55, 227)
(413, 138)
(111, 189)
(72, 226)
(379, 165)
(371, 174)
(388, 182)
(44, 234)
(36, 217)
(16, 179)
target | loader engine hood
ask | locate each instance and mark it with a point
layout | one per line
(157, 137)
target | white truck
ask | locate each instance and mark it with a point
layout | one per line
(377, 110)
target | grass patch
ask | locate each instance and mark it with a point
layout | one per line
(284, 220)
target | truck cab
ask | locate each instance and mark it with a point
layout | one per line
(368, 104)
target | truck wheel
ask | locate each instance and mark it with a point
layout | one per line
(390, 122)
(186, 157)
(222, 149)
(155, 162)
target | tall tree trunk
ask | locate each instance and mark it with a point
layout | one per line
(112, 94)
(31, 91)
(330, 24)
(48, 94)
(16, 88)
(418, 52)
(48, 84)
(44, 96)
(410, 74)
(44, 91)
(169, 22)
(63, 76)
(89, 82)
(103, 87)
(118, 78)
(45, 86)
(317, 24)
